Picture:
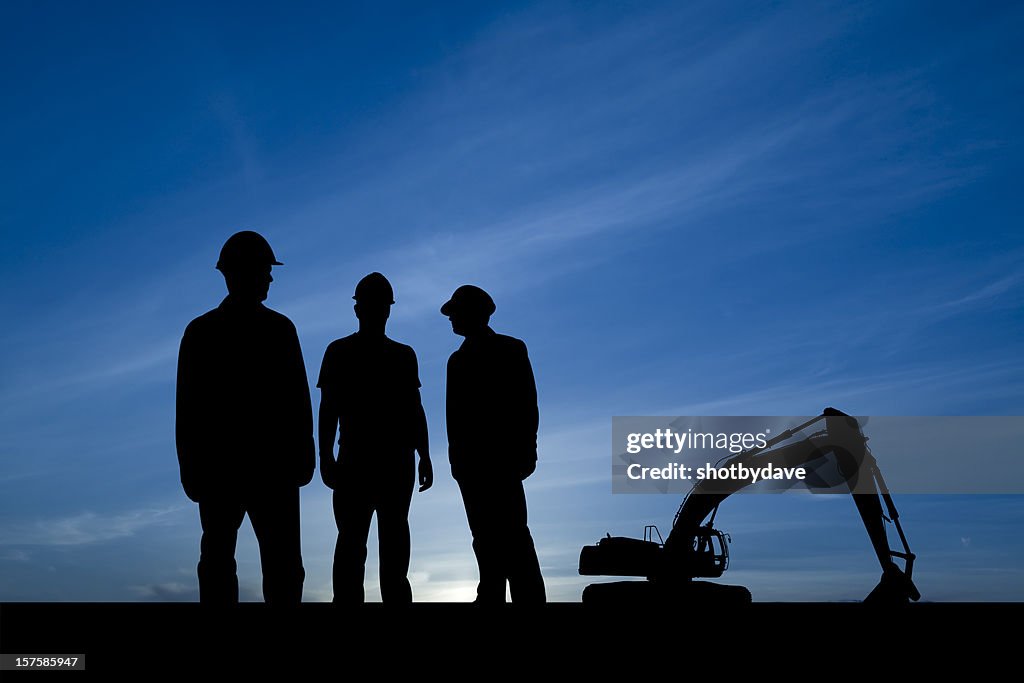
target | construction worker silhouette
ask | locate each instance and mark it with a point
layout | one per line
(370, 397)
(244, 428)
(492, 420)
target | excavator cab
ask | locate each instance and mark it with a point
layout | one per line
(710, 556)
(622, 556)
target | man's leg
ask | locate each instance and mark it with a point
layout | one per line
(520, 560)
(275, 520)
(218, 578)
(353, 511)
(484, 517)
(395, 495)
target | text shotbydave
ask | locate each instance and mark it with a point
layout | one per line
(734, 471)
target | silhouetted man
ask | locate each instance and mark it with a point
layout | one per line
(245, 428)
(370, 393)
(492, 445)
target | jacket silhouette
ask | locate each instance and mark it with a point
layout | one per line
(492, 419)
(492, 401)
(370, 398)
(244, 428)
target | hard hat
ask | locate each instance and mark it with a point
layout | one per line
(469, 299)
(374, 288)
(246, 249)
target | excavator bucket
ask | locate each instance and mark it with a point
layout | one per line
(895, 588)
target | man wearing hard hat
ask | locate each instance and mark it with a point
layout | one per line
(492, 418)
(244, 428)
(370, 398)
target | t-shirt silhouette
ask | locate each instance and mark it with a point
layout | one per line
(374, 382)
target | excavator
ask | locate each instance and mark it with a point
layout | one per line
(695, 549)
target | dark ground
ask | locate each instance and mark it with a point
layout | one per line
(459, 639)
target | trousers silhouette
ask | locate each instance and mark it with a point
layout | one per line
(496, 512)
(275, 520)
(384, 487)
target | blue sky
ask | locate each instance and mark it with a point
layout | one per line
(682, 208)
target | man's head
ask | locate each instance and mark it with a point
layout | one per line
(245, 261)
(374, 297)
(469, 310)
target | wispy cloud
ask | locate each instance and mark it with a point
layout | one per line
(16, 555)
(168, 592)
(985, 293)
(87, 528)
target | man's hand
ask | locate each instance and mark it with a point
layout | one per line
(426, 473)
(192, 489)
(308, 467)
(329, 470)
(528, 466)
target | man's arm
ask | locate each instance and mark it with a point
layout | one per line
(303, 415)
(452, 410)
(328, 429)
(421, 437)
(187, 431)
(528, 411)
(426, 468)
